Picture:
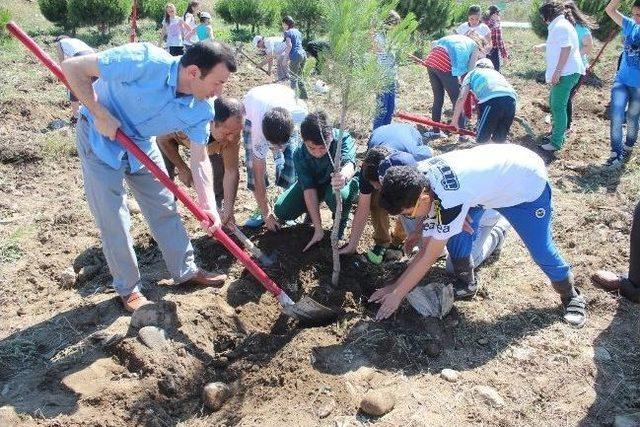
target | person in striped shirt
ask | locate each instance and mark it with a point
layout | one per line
(498, 49)
(451, 58)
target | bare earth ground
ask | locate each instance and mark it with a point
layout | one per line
(69, 358)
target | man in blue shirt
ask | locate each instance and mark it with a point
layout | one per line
(394, 137)
(146, 92)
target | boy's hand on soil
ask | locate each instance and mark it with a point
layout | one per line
(338, 181)
(318, 234)
(106, 124)
(213, 224)
(271, 223)
(390, 304)
(381, 293)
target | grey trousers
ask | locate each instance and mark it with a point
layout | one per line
(107, 198)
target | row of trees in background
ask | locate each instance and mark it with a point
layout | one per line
(104, 14)
(594, 8)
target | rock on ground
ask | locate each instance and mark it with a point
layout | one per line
(377, 402)
(153, 337)
(489, 395)
(68, 278)
(326, 409)
(450, 375)
(215, 395)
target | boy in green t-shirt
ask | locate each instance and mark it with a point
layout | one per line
(316, 179)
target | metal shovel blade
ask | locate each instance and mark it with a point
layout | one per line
(311, 313)
(308, 311)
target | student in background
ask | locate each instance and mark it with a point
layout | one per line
(172, 28)
(475, 26)
(296, 54)
(67, 47)
(498, 49)
(204, 30)
(189, 17)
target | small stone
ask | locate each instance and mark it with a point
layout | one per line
(601, 354)
(450, 375)
(522, 354)
(88, 272)
(489, 395)
(153, 337)
(483, 341)
(21, 311)
(215, 395)
(629, 420)
(68, 278)
(325, 410)
(57, 124)
(377, 403)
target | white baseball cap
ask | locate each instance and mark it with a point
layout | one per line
(205, 15)
(484, 63)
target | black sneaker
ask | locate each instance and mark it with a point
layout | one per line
(614, 161)
(462, 290)
(626, 153)
(575, 310)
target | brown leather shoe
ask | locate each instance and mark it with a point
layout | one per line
(607, 280)
(134, 301)
(206, 278)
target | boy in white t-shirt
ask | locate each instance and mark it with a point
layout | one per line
(67, 47)
(474, 25)
(451, 191)
(273, 115)
(273, 48)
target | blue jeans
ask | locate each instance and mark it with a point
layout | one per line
(623, 98)
(532, 222)
(386, 106)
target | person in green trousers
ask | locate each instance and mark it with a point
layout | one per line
(316, 178)
(564, 68)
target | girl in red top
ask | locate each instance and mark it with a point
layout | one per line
(498, 48)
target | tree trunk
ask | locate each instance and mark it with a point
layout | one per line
(335, 276)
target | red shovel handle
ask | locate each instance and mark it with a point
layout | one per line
(427, 121)
(129, 145)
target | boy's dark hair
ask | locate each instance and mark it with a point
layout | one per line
(316, 128)
(277, 126)
(289, 21)
(371, 162)
(207, 54)
(190, 8)
(551, 10)
(401, 187)
(227, 107)
(474, 10)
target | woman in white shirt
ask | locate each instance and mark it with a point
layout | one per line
(474, 25)
(189, 17)
(172, 28)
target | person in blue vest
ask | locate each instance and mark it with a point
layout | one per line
(144, 91)
(496, 98)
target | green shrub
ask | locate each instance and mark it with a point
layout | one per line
(55, 11)
(253, 13)
(310, 15)
(102, 13)
(154, 9)
(5, 17)
(594, 8)
(434, 16)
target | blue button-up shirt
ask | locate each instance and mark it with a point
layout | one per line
(137, 85)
